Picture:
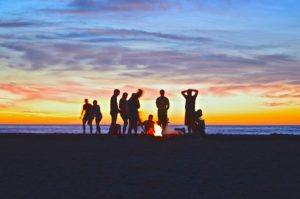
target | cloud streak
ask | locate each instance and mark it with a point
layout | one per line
(119, 35)
(16, 24)
(183, 67)
(86, 7)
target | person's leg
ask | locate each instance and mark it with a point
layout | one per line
(98, 125)
(84, 120)
(130, 125)
(165, 121)
(135, 123)
(189, 121)
(125, 123)
(113, 124)
(189, 129)
(90, 122)
(164, 125)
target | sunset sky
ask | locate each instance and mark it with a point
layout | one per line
(242, 56)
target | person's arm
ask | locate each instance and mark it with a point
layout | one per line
(168, 104)
(100, 109)
(196, 92)
(120, 104)
(81, 113)
(138, 104)
(184, 93)
(156, 103)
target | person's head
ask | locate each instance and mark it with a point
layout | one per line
(95, 102)
(150, 117)
(125, 95)
(162, 92)
(198, 113)
(189, 92)
(86, 101)
(139, 93)
(116, 92)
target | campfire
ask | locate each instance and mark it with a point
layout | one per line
(157, 131)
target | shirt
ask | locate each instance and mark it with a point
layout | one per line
(162, 102)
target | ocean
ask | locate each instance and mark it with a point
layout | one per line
(210, 129)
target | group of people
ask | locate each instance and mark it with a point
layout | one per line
(129, 112)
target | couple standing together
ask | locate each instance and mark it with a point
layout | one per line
(88, 113)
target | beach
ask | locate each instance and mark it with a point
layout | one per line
(217, 166)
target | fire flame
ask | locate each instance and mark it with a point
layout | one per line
(158, 130)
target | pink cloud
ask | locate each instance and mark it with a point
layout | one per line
(274, 104)
(265, 90)
(65, 91)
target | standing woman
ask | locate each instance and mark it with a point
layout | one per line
(123, 106)
(190, 101)
(97, 115)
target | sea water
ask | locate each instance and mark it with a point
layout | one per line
(210, 129)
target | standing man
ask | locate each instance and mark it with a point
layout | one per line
(114, 110)
(190, 102)
(87, 110)
(98, 116)
(133, 108)
(123, 105)
(163, 105)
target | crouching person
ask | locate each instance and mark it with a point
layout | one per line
(199, 123)
(148, 125)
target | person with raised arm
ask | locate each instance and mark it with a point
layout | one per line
(87, 113)
(190, 96)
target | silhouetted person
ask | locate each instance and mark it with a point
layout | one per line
(199, 123)
(98, 115)
(149, 125)
(114, 110)
(87, 110)
(162, 104)
(133, 107)
(123, 106)
(190, 101)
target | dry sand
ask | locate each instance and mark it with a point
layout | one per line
(76, 166)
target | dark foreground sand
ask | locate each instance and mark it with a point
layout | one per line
(76, 166)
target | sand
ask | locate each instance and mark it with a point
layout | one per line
(76, 166)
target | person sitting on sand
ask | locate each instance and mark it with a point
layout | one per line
(190, 101)
(148, 125)
(163, 105)
(87, 110)
(98, 115)
(199, 123)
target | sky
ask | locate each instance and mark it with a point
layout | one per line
(242, 56)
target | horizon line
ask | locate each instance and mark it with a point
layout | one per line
(51, 124)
